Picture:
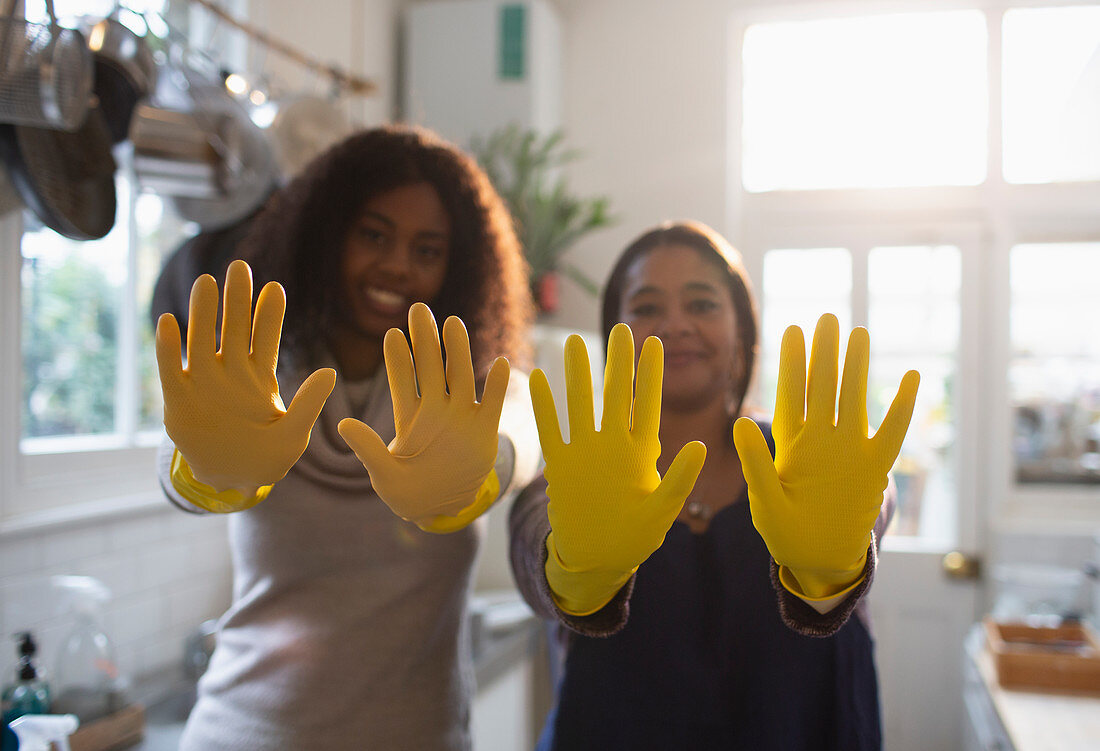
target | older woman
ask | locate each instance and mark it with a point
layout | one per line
(705, 592)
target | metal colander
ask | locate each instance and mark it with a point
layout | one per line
(66, 179)
(46, 73)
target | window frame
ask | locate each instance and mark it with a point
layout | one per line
(985, 221)
(71, 480)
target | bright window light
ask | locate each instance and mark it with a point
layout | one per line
(913, 318)
(874, 101)
(1051, 94)
(799, 286)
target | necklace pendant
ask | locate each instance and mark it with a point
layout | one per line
(697, 510)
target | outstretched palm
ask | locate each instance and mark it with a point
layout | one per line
(816, 504)
(446, 442)
(223, 410)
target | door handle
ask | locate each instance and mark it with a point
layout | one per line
(959, 565)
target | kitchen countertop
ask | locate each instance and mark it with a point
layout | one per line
(501, 642)
(1036, 720)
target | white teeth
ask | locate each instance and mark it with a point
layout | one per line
(385, 297)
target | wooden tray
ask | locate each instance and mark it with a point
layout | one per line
(115, 731)
(1063, 658)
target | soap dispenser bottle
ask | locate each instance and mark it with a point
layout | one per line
(29, 694)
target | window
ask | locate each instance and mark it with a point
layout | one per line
(81, 413)
(912, 309)
(913, 314)
(1051, 94)
(865, 102)
(975, 257)
(88, 367)
(799, 286)
(1054, 374)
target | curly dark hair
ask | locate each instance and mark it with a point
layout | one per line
(298, 240)
(715, 250)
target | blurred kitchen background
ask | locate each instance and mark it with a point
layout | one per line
(927, 168)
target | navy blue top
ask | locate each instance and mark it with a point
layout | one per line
(705, 662)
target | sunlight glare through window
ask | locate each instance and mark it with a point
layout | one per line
(874, 101)
(1051, 94)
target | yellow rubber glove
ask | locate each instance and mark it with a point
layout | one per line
(438, 470)
(609, 508)
(223, 411)
(816, 505)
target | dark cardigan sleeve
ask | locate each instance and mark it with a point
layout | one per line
(802, 618)
(529, 527)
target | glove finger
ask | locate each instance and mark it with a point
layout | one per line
(401, 376)
(578, 388)
(821, 381)
(667, 500)
(237, 313)
(169, 356)
(365, 443)
(267, 327)
(618, 381)
(646, 420)
(756, 459)
(496, 387)
(891, 433)
(307, 403)
(852, 412)
(202, 318)
(546, 414)
(766, 499)
(790, 392)
(427, 356)
(460, 367)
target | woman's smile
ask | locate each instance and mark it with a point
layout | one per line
(386, 302)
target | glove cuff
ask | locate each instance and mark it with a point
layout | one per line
(818, 587)
(581, 592)
(206, 497)
(486, 496)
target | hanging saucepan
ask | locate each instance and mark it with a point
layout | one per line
(66, 179)
(125, 71)
(174, 153)
(250, 172)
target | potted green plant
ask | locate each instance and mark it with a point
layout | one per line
(525, 168)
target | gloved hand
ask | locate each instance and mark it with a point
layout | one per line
(438, 470)
(223, 410)
(609, 508)
(816, 505)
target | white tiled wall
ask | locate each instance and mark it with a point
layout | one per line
(167, 571)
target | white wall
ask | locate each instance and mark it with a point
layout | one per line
(167, 570)
(358, 36)
(450, 78)
(653, 138)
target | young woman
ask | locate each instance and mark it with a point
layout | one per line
(700, 610)
(347, 628)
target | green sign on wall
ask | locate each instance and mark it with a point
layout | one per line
(513, 31)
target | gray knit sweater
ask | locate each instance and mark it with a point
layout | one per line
(348, 625)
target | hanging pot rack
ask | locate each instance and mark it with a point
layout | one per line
(348, 82)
